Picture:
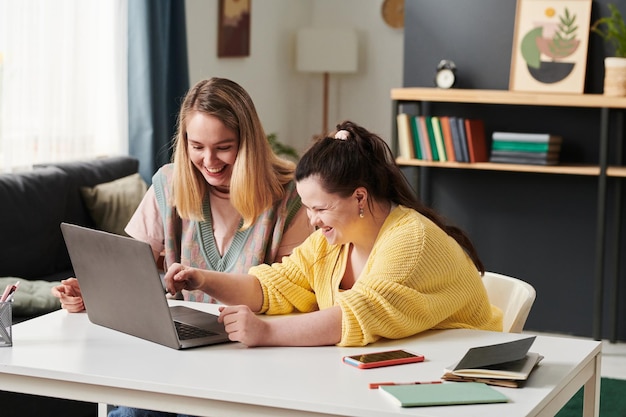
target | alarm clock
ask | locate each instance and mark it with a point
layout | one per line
(446, 74)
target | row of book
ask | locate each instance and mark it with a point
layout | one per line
(458, 139)
(445, 138)
(525, 148)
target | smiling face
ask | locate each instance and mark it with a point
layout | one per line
(212, 148)
(337, 217)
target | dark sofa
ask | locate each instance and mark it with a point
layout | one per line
(32, 206)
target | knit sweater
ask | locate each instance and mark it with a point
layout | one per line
(192, 243)
(416, 278)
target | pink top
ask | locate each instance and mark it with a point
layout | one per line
(216, 243)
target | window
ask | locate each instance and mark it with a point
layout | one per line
(63, 81)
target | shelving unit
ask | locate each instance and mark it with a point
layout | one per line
(488, 166)
(607, 106)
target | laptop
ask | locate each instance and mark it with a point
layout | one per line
(122, 290)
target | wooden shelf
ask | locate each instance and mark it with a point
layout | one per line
(591, 170)
(507, 97)
(616, 172)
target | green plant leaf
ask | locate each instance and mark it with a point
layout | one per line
(529, 49)
(613, 30)
(280, 148)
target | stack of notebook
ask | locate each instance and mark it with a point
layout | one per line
(525, 148)
(504, 364)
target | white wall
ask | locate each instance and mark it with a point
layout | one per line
(290, 103)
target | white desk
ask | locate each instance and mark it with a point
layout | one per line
(64, 355)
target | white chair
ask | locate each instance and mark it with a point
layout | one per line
(513, 296)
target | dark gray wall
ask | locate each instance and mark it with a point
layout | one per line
(540, 228)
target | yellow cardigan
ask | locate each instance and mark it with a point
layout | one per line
(416, 278)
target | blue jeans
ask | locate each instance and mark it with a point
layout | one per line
(137, 412)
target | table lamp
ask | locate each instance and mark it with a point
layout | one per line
(326, 50)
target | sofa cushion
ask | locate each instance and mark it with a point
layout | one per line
(33, 298)
(112, 204)
(87, 174)
(32, 205)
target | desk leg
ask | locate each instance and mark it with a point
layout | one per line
(598, 307)
(591, 394)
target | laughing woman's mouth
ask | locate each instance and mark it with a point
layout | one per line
(215, 170)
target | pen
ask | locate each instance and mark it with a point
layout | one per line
(8, 291)
(374, 385)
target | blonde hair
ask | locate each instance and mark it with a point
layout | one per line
(258, 176)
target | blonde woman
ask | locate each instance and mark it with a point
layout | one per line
(226, 203)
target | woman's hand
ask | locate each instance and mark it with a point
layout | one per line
(179, 277)
(69, 294)
(242, 325)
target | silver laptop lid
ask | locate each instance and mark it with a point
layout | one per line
(122, 288)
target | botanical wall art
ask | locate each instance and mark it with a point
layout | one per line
(233, 38)
(550, 46)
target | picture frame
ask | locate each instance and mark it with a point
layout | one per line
(233, 37)
(550, 46)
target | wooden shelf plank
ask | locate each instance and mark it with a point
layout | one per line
(616, 172)
(590, 170)
(454, 95)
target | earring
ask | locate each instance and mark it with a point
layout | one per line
(361, 215)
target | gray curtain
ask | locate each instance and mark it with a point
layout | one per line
(158, 78)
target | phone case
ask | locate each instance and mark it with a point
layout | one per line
(379, 359)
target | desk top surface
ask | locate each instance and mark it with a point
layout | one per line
(67, 347)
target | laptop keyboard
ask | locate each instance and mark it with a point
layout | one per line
(186, 331)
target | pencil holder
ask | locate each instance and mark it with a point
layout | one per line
(6, 317)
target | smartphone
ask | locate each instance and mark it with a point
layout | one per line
(387, 358)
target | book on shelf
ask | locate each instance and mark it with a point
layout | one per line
(446, 132)
(524, 154)
(422, 395)
(526, 137)
(441, 150)
(424, 138)
(476, 141)
(521, 161)
(417, 147)
(456, 139)
(525, 148)
(504, 364)
(463, 139)
(434, 151)
(405, 142)
(498, 145)
(521, 157)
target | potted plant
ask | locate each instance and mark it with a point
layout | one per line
(281, 149)
(613, 30)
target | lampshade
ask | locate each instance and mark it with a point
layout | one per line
(326, 50)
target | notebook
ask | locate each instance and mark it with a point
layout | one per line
(448, 393)
(122, 290)
(506, 364)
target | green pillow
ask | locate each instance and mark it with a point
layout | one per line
(112, 204)
(32, 297)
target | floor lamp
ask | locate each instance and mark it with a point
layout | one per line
(326, 51)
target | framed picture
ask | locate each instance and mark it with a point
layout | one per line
(233, 37)
(550, 46)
